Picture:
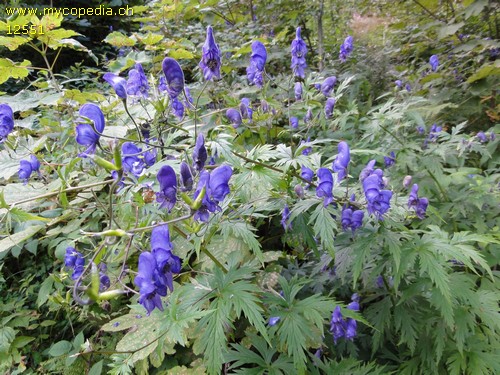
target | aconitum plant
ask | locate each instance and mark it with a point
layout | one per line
(6, 121)
(27, 167)
(210, 63)
(328, 85)
(299, 52)
(234, 116)
(137, 83)
(434, 62)
(216, 185)
(325, 186)
(342, 160)
(200, 155)
(416, 203)
(346, 48)
(87, 134)
(329, 106)
(174, 77)
(167, 196)
(257, 61)
(118, 83)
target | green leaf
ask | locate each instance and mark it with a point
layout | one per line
(7, 335)
(21, 341)
(96, 369)
(485, 71)
(325, 226)
(10, 69)
(14, 42)
(13, 240)
(119, 40)
(44, 292)
(60, 348)
(449, 29)
(181, 53)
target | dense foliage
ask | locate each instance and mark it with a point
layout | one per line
(252, 188)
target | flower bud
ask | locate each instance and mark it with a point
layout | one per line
(407, 181)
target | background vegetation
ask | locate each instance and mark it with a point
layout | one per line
(260, 280)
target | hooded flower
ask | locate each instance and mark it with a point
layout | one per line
(145, 280)
(167, 196)
(199, 153)
(368, 170)
(298, 91)
(234, 116)
(309, 116)
(418, 204)
(186, 177)
(329, 106)
(307, 150)
(257, 61)
(398, 83)
(132, 159)
(137, 83)
(119, 84)
(6, 121)
(177, 108)
(299, 51)
(342, 160)
(85, 134)
(174, 77)
(217, 187)
(378, 199)
(351, 219)
(294, 122)
(482, 137)
(306, 173)
(27, 167)
(325, 186)
(346, 48)
(74, 259)
(434, 62)
(166, 263)
(328, 85)
(390, 160)
(246, 109)
(285, 217)
(210, 62)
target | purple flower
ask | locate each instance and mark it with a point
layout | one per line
(119, 84)
(234, 116)
(246, 109)
(210, 62)
(298, 91)
(285, 216)
(434, 62)
(346, 48)
(177, 108)
(337, 324)
(162, 84)
(27, 167)
(199, 153)
(74, 259)
(174, 77)
(264, 105)
(294, 122)
(329, 106)
(325, 186)
(6, 121)
(390, 160)
(274, 320)
(408, 87)
(398, 84)
(137, 83)
(342, 160)
(167, 196)
(218, 184)
(407, 181)
(368, 170)
(186, 177)
(418, 204)
(85, 134)
(378, 199)
(216, 188)
(299, 51)
(309, 116)
(166, 262)
(306, 173)
(328, 85)
(257, 61)
(351, 219)
(350, 329)
(145, 280)
(150, 157)
(306, 151)
(482, 137)
(132, 159)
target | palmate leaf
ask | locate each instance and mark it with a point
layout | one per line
(244, 231)
(325, 226)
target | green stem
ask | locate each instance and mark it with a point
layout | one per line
(214, 259)
(151, 227)
(129, 115)
(391, 134)
(443, 192)
(196, 109)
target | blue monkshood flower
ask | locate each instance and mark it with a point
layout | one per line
(257, 61)
(407, 181)
(200, 155)
(174, 77)
(74, 259)
(167, 263)
(306, 151)
(351, 219)
(145, 280)
(378, 199)
(264, 106)
(433, 134)
(150, 157)
(368, 170)
(342, 160)
(328, 85)
(167, 196)
(246, 109)
(132, 159)
(418, 204)
(162, 85)
(6, 121)
(285, 216)
(398, 83)
(346, 48)
(104, 281)
(482, 137)
(298, 91)
(177, 108)
(329, 106)
(350, 331)
(119, 84)
(306, 173)
(408, 87)
(85, 134)
(217, 188)
(299, 52)
(325, 186)
(27, 167)
(420, 129)
(186, 177)
(337, 324)
(137, 83)
(390, 160)
(210, 62)
(234, 116)
(299, 190)
(379, 282)
(354, 305)
(434, 62)
(273, 320)
(189, 99)
(294, 122)
(309, 116)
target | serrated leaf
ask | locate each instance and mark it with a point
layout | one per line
(13, 43)
(119, 40)
(181, 53)
(7, 335)
(485, 71)
(15, 239)
(10, 69)
(45, 289)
